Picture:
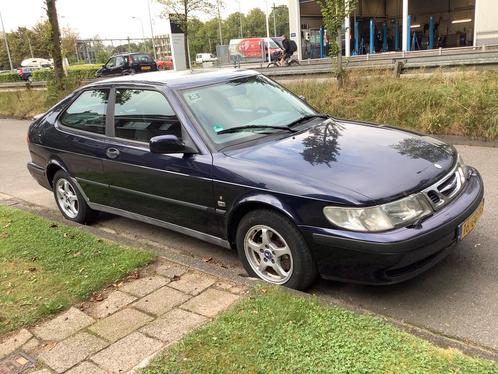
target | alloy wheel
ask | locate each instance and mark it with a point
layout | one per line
(67, 198)
(268, 254)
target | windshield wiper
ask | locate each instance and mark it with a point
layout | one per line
(253, 127)
(306, 118)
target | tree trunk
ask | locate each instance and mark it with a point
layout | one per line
(55, 43)
(185, 34)
(340, 72)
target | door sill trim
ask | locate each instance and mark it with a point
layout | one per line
(167, 225)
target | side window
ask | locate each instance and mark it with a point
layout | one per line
(142, 114)
(111, 63)
(87, 112)
(120, 61)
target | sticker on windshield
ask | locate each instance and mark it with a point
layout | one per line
(194, 97)
(218, 127)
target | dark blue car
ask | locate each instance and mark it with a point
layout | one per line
(234, 159)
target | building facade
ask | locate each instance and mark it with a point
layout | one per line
(377, 26)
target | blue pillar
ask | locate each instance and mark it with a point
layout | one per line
(322, 39)
(384, 38)
(396, 35)
(408, 46)
(372, 35)
(431, 32)
(357, 38)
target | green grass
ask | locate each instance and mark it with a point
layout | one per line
(23, 104)
(276, 332)
(450, 104)
(45, 267)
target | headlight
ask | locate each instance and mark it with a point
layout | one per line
(461, 169)
(381, 217)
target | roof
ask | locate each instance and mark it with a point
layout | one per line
(183, 79)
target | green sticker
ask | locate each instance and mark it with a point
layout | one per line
(218, 128)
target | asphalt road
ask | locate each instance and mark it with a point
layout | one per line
(458, 298)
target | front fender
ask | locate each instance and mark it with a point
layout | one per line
(253, 201)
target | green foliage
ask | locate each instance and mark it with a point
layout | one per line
(334, 12)
(275, 331)
(9, 77)
(45, 267)
(42, 75)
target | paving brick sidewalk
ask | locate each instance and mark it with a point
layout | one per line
(128, 326)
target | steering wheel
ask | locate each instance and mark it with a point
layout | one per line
(263, 110)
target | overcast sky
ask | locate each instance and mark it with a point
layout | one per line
(106, 18)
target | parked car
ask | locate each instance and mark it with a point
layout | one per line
(127, 64)
(233, 158)
(165, 64)
(201, 58)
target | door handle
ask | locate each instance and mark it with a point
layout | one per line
(112, 153)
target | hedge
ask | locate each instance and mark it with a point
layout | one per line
(9, 77)
(75, 71)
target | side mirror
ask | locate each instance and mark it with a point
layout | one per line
(168, 144)
(302, 98)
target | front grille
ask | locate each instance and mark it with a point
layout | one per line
(444, 191)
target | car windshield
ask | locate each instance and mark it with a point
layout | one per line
(252, 102)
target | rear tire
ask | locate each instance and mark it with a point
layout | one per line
(70, 201)
(293, 62)
(271, 248)
(272, 65)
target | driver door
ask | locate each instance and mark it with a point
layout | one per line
(173, 188)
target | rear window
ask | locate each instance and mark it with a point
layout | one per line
(144, 59)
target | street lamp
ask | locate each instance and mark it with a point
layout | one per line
(152, 31)
(6, 43)
(141, 25)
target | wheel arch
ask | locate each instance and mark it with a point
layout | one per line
(53, 166)
(251, 203)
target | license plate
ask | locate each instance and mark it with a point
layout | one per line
(470, 223)
(145, 67)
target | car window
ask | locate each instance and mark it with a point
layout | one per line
(143, 59)
(111, 63)
(252, 101)
(88, 112)
(120, 61)
(143, 114)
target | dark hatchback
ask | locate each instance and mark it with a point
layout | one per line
(127, 64)
(232, 158)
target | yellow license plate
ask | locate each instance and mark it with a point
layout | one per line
(145, 67)
(470, 223)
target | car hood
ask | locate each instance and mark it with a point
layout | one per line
(346, 162)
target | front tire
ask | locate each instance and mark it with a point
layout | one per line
(70, 201)
(271, 248)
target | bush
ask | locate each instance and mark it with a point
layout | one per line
(83, 71)
(9, 77)
(74, 71)
(42, 75)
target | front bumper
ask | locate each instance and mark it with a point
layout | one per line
(398, 255)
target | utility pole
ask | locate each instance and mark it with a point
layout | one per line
(6, 43)
(219, 22)
(240, 18)
(268, 31)
(152, 31)
(30, 47)
(274, 21)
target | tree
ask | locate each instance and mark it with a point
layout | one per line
(255, 23)
(183, 10)
(334, 12)
(279, 20)
(55, 43)
(69, 44)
